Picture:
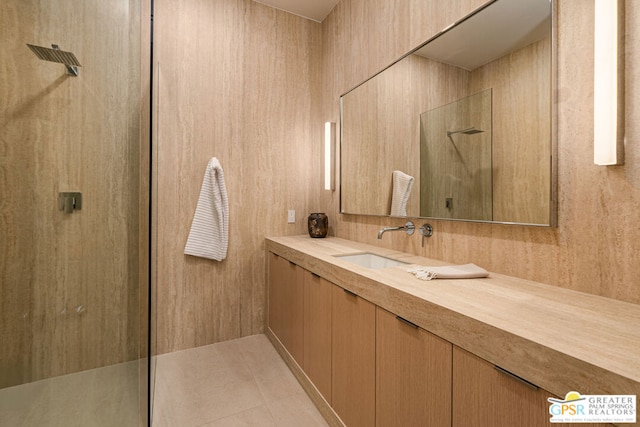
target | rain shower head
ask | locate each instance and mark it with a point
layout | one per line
(54, 54)
(469, 131)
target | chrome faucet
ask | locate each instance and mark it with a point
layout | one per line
(408, 227)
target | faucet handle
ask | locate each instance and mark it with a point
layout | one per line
(426, 231)
(409, 227)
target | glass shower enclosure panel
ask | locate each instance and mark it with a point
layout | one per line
(73, 214)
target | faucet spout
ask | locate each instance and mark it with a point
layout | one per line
(382, 230)
(408, 227)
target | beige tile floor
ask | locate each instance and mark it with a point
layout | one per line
(242, 382)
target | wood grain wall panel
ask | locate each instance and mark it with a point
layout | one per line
(69, 282)
(236, 81)
(596, 245)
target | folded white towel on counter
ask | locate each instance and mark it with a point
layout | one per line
(209, 234)
(465, 271)
(402, 184)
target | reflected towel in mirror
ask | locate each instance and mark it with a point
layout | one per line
(209, 234)
(402, 184)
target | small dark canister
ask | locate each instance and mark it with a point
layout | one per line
(318, 224)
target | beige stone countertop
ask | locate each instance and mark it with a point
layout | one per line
(558, 339)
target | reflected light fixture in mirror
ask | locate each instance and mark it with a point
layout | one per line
(329, 150)
(608, 80)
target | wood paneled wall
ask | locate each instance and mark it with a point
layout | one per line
(69, 283)
(596, 246)
(236, 80)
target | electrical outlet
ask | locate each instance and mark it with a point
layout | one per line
(291, 216)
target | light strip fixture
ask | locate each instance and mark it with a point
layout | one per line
(329, 154)
(608, 91)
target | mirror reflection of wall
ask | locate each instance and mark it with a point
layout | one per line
(455, 160)
(381, 138)
(521, 132)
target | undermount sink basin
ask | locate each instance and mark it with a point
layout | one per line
(370, 260)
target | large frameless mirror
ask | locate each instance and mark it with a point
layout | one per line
(462, 127)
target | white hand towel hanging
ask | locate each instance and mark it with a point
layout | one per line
(209, 234)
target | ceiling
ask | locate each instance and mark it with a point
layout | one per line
(527, 22)
(316, 10)
(490, 34)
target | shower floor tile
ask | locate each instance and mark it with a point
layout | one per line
(241, 382)
(102, 397)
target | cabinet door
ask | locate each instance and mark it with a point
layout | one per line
(413, 374)
(484, 396)
(317, 332)
(286, 290)
(353, 358)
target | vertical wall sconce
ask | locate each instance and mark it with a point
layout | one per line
(608, 92)
(329, 154)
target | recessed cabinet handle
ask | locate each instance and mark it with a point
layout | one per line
(515, 377)
(406, 322)
(353, 294)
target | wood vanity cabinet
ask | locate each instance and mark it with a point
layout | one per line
(317, 332)
(413, 374)
(286, 305)
(372, 368)
(485, 396)
(353, 358)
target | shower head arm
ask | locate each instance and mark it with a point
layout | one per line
(70, 68)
